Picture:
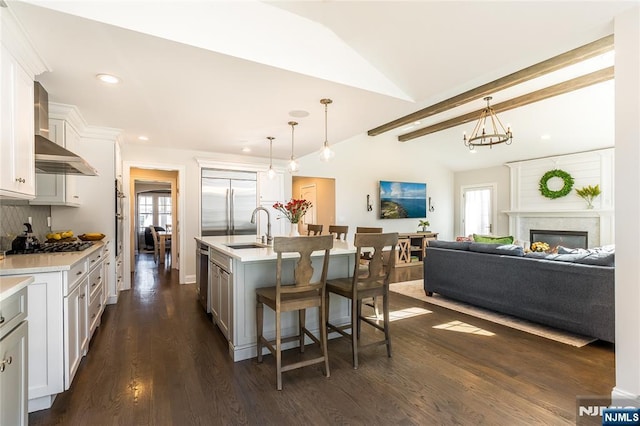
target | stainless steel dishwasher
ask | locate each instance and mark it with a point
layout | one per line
(202, 276)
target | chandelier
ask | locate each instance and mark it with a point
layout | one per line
(293, 163)
(480, 137)
(326, 153)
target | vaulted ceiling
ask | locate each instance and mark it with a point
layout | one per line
(223, 75)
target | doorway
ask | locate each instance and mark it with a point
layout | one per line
(478, 209)
(322, 193)
(153, 195)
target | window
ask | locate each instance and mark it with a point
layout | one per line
(154, 208)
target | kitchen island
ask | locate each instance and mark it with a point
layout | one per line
(240, 264)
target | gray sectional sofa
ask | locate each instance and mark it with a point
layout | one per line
(573, 291)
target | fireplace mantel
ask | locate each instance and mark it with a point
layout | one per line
(599, 223)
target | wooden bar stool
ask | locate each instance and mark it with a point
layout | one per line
(365, 257)
(373, 282)
(340, 231)
(299, 296)
(314, 229)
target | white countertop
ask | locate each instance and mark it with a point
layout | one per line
(11, 285)
(15, 264)
(264, 252)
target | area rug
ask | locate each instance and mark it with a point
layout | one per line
(415, 290)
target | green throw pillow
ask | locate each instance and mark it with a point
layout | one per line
(492, 240)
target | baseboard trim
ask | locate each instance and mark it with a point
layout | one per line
(618, 394)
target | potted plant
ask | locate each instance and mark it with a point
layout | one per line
(423, 224)
(588, 193)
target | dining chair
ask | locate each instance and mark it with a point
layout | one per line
(299, 296)
(156, 243)
(314, 229)
(340, 231)
(365, 257)
(373, 282)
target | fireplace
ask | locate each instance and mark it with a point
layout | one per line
(570, 239)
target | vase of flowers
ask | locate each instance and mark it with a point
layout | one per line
(294, 211)
(588, 193)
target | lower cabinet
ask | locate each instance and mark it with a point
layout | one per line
(13, 359)
(221, 291)
(64, 308)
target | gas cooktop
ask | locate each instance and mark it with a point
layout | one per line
(55, 248)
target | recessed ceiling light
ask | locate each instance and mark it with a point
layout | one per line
(298, 113)
(108, 78)
(246, 149)
(143, 138)
(473, 151)
(545, 137)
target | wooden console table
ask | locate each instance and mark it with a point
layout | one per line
(411, 247)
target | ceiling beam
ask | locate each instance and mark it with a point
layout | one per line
(563, 60)
(548, 92)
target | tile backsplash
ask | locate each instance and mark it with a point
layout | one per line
(13, 213)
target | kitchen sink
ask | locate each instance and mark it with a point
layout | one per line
(245, 246)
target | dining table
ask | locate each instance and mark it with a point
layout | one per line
(163, 236)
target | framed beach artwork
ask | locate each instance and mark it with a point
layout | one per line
(403, 200)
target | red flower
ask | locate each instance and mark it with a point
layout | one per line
(294, 210)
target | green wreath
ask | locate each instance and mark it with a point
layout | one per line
(566, 189)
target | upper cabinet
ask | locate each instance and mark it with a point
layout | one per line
(17, 175)
(59, 190)
(271, 189)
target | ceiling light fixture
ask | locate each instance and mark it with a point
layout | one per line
(143, 138)
(108, 78)
(480, 137)
(326, 153)
(293, 163)
(271, 173)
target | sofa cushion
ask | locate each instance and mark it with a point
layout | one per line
(504, 249)
(536, 255)
(602, 258)
(453, 245)
(491, 239)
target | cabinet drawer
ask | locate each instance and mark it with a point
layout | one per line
(220, 259)
(95, 282)
(74, 275)
(94, 258)
(95, 311)
(12, 311)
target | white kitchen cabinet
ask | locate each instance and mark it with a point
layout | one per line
(17, 174)
(13, 358)
(271, 191)
(59, 190)
(220, 282)
(13, 372)
(75, 329)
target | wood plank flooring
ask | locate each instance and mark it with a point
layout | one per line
(158, 360)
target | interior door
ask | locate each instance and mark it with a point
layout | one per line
(478, 210)
(309, 193)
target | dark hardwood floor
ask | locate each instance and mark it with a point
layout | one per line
(158, 360)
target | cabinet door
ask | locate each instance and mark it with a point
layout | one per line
(226, 292)
(214, 290)
(59, 189)
(83, 318)
(271, 189)
(17, 174)
(13, 377)
(73, 333)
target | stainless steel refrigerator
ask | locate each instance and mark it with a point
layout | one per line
(228, 199)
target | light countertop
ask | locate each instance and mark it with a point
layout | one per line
(44, 262)
(11, 285)
(264, 252)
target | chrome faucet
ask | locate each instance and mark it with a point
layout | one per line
(253, 220)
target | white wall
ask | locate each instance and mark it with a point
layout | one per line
(627, 204)
(362, 161)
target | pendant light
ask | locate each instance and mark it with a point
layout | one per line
(293, 163)
(326, 153)
(271, 173)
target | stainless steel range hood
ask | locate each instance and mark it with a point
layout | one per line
(50, 157)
